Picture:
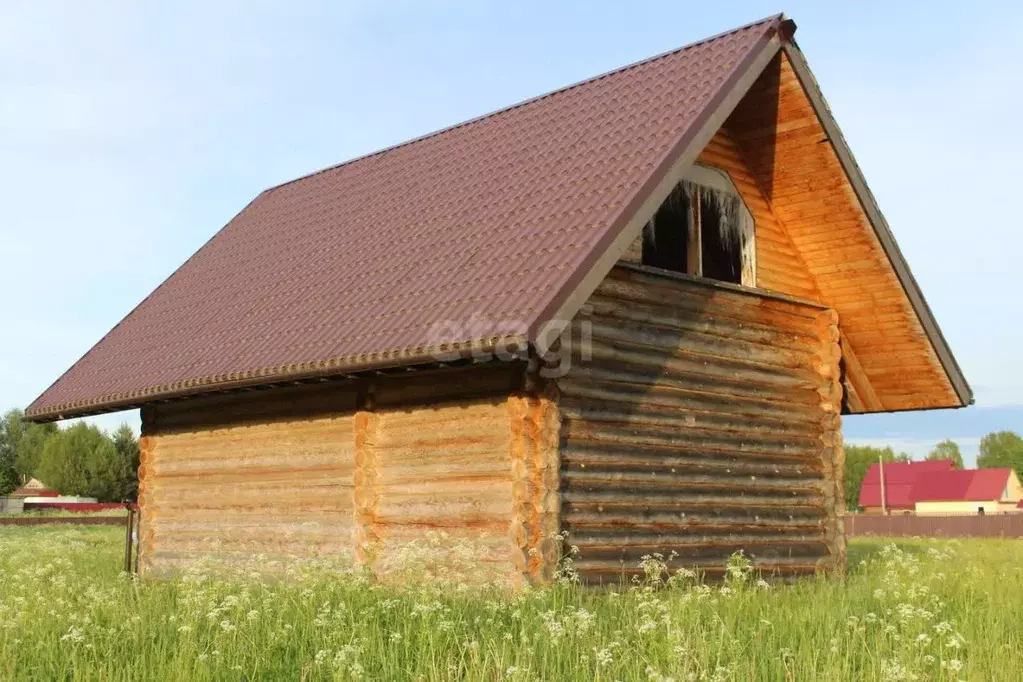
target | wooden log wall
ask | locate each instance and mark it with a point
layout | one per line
(359, 468)
(238, 476)
(444, 468)
(814, 241)
(706, 420)
(535, 429)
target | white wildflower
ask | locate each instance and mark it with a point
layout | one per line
(74, 635)
(604, 657)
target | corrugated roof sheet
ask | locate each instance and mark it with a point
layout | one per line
(968, 485)
(907, 483)
(899, 480)
(470, 233)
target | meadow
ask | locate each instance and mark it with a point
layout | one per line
(913, 610)
(62, 513)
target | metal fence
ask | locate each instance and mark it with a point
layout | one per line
(945, 526)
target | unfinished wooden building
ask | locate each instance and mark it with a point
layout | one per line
(632, 310)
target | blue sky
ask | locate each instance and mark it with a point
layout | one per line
(130, 133)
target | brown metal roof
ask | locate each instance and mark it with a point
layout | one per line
(471, 234)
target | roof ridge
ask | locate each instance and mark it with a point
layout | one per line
(476, 119)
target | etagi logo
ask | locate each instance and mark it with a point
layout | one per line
(558, 343)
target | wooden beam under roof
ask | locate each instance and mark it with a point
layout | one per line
(863, 397)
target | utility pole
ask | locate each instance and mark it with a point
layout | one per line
(880, 470)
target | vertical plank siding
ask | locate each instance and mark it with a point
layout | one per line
(706, 421)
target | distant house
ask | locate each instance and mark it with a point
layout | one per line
(937, 488)
(37, 496)
(899, 481)
(34, 488)
(979, 491)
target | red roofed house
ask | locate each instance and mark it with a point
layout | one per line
(899, 481)
(34, 488)
(971, 491)
(935, 487)
(631, 310)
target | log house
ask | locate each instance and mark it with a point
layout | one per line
(632, 311)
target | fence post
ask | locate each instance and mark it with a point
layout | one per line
(135, 529)
(128, 528)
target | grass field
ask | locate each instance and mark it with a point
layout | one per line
(919, 610)
(63, 513)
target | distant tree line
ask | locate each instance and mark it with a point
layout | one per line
(78, 460)
(999, 449)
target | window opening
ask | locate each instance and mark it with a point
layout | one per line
(702, 230)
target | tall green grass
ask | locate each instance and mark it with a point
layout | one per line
(920, 610)
(64, 513)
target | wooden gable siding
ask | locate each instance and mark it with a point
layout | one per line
(779, 267)
(706, 421)
(797, 170)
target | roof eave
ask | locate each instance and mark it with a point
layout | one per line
(482, 351)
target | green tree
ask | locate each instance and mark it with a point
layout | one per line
(1001, 449)
(8, 452)
(858, 459)
(127, 464)
(30, 448)
(80, 460)
(22, 444)
(947, 449)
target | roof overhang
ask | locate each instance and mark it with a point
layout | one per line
(433, 357)
(879, 224)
